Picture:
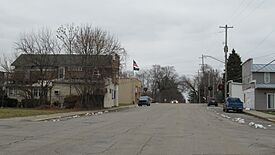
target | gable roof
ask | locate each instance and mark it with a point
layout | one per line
(263, 68)
(29, 60)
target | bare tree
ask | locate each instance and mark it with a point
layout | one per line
(39, 50)
(163, 82)
(202, 86)
(92, 44)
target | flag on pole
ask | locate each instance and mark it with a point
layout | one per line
(135, 66)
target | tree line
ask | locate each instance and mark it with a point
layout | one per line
(165, 84)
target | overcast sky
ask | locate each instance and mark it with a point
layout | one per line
(165, 32)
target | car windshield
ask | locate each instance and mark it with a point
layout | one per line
(234, 100)
(143, 97)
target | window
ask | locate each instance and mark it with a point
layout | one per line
(61, 73)
(56, 92)
(36, 92)
(12, 92)
(75, 69)
(270, 101)
(266, 77)
(114, 95)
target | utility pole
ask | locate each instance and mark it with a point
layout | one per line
(225, 58)
(203, 78)
(213, 84)
(199, 89)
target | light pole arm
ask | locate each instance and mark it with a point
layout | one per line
(208, 56)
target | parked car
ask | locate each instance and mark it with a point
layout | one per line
(144, 100)
(212, 101)
(233, 103)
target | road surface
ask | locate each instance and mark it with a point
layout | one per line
(161, 129)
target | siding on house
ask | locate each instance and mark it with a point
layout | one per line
(63, 90)
(259, 77)
(261, 98)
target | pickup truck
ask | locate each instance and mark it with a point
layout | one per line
(233, 103)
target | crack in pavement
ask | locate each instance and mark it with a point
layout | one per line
(17, 141)
(144, 145)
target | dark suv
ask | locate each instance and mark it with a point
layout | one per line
(144, 100)
(212, 101)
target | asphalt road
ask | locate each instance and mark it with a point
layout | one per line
(161, 129)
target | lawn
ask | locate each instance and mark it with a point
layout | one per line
(270, 112)
(19, 112)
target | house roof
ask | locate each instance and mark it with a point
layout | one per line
(28, 60)
(263, 68)
(266, 86)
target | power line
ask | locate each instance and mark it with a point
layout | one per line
(264, 56)
(262, 41)
(236, 10)
(243, 10)
(255, 8)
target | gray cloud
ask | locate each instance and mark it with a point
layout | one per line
(174, 32)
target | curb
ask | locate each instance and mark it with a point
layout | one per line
(83, 113)
(264, 118)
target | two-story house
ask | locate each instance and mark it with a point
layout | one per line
(258, 85)
(62, 75)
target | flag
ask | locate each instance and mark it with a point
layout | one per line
(135, 66)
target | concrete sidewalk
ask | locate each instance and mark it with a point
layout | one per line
(261, 115)
(68, 114)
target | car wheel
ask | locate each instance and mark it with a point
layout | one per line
(226, 110)
(216, 105)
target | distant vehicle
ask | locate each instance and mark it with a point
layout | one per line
(212, 101)
(174, 101)
(233, 103)
(144, 100)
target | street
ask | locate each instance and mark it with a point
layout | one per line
(161, 129)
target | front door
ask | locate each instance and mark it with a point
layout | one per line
(270, 101)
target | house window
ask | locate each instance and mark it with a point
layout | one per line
(56, 92)
(61, 73)
(114, 95)
(75, 69)
(12, 92)
(266, 77)
(270, 101)
(36, 92)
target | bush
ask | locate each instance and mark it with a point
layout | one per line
(8, 102)
(70, 101)
(32, 103)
